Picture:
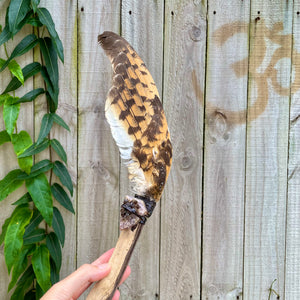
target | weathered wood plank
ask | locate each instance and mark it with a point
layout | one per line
(8, 159)
(142, 26)
(98, 157)
(267, 145)
(184, 64)
(65, 18)
(224, 154)
(292, 269)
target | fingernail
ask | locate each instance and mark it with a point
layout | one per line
(104, 267)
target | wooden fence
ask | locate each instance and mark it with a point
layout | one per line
(228, 72)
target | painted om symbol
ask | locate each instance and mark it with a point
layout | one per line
(260, 33)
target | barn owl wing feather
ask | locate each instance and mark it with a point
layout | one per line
(136, 117)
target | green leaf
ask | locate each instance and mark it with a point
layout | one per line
(51, 94)
(30, 295)
(61, 196)
(46, 19)
(29, 42)
(53, 245)
(58, 225)
(23, 284)
(13, 241)
(54, 275)
(39, 293)
(50, 58)
(30, 96)
(35, 221)
(58, 120)
(40, 167)
(34, 236)
(52, 101)
(5, 35)
(19, 266)
(34, 149)
(62, 173)
(23, 200)
(4, 228)
(10, 115)
(58, 148)
(46, 126)
(16, 13)
(34, 4)
(4, 137)
(34, 21)
(28, 71)
(4, 97)
(41, 266)
(16, 70)
(40, 192)
(10, 183)
(21, 142)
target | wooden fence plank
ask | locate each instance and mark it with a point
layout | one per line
(98, 157)
(292, 273)
(267, 144)
(184, 64)
(224, 154)
(142, 26)
(65, 18)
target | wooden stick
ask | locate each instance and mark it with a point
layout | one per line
(104, 289)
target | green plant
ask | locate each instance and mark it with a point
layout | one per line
(34, 234)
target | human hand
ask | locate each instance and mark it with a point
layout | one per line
(75, 284)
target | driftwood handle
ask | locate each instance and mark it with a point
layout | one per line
(104, 289)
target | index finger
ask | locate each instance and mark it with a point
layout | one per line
(104, 258)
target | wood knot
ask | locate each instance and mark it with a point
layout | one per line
(187, 159)
(218, 126)
(195, 33)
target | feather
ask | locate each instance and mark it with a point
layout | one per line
(136, 117)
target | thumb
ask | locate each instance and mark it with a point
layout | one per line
(75, 284)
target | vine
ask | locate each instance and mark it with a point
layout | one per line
(35, 232)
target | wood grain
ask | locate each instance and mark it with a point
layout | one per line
(224, 154)
(267, 146)
(147, 39)
(184, 62)
(292, 268)
(98, 157)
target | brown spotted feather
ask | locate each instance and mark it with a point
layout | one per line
(136, 116)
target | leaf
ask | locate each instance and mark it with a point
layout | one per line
(29, 42)
(61, 196)
(21, 142)
(40, 167)
(30, 96)
(4, 229)
(30, 295)
(54, 275)
(46, 126)
(51, 94)
(58, 225)
(58, 148)
(10, 183)
(5, 35)
(23, 200)
(34, 4)
(34, 149)
(34, 236)
(16, 70)
(53, 245)
(19, 266)
(41, 266)
(52, 101)
(62, 173)
(28, 71)
(58, 120)
(40, 192)
(34, 21)
(10, 115)
(50, 58)
(4, 97)
(35, 221)
(13, 241)
(16, 13)
(46, 19)
(39, 293)
(4, 137)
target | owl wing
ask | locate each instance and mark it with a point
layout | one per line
(137, 119)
